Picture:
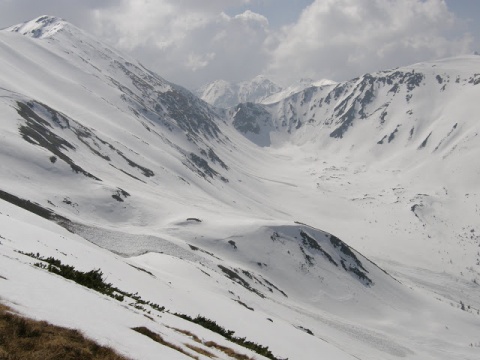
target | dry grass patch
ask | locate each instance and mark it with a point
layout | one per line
(23, 338)
(190, 334)
(200, 351)
(157, 338)
(229, 351)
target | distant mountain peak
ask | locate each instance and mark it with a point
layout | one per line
(224, 94)
(42, 27)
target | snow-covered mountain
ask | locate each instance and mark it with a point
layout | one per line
(106, 165)
(300, 86)
(224, 94)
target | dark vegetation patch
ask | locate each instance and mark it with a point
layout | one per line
(412, 131)
(304, 329)
(392, 135)
(196, 248)
(233, 244)
(347, 251)
(262, 281)
(23, 338)
(354, 106)
(248, 274)
(347, 256)
(383, 116)
(244, 305)
(190, 114)
(246, 117)
(475, 79)
(36, 209)
(92, 279)
(449, 133)
(360, 274)
(346, 120)
(414, 208)
(310, 242)
(394, 89)
(275, 287)
(229, 335)
(362, 95)
(203, 168)
(68, 201)
(424, 143)
(275, 236)
(213, 157)
(120, 194)
(37, 131)
(142, 269)
(128, 174)
(380, 142)
(308, 258)
(145, 171)
(232, 275)
(177, 105)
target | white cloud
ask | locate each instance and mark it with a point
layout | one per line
(341, 39)
(197, 61)
(255, 19)
(185, 42)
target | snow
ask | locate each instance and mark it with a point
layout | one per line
(296, 88)
(412, 210)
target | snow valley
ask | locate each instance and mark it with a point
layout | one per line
(336, 221)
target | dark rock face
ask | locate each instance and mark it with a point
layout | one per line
(249, 116)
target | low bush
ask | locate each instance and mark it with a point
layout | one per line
(228, 334)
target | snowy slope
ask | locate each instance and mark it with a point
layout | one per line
(300, 86)
(159, 190)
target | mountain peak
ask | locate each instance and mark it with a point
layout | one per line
(41, 27)
(225, 94)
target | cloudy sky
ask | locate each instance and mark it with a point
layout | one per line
(192, 42)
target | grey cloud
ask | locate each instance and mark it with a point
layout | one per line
(189, 47)
(192, 42)
(77, 12)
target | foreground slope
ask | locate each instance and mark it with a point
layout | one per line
(156, 188)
